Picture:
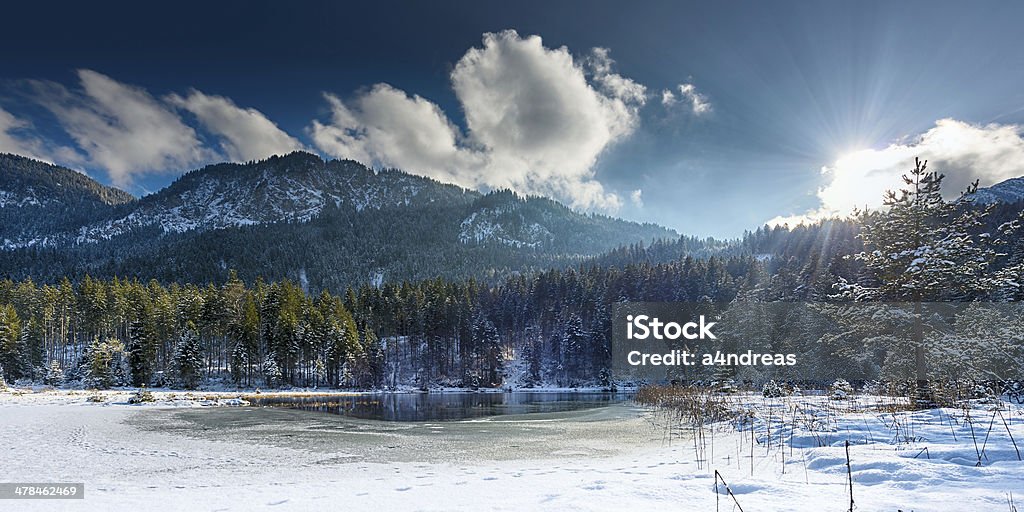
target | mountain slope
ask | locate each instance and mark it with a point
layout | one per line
(292, 188)
(1009, 191)
(327, 224)
(39, 200)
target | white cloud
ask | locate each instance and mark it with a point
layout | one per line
(637, 197)
(696, 102)
(600, 65)
(535, 123)
(14, 140)
(246, 133)
(961, 151)
(387, 126)
(122, 128)
(127, 132)
(16, 137)
(668, 98)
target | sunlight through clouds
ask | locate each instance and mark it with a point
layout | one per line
(963, 152)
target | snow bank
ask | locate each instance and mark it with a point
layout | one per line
(788, 454)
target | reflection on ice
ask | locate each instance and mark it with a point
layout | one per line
(444, 406)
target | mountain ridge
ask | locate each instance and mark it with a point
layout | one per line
(329, 222)
(39, 200)
(1006, 191)
(291, 188)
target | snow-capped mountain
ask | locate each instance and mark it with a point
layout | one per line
(293, 188)
(1009, 191)
(329, 223)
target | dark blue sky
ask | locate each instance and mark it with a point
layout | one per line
(791, 87)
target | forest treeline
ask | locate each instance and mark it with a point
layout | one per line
(126, 332)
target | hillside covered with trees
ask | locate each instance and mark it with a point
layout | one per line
(549, 327)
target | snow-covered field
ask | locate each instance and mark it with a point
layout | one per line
(178, 455)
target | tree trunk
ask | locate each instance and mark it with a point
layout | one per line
(924, 398)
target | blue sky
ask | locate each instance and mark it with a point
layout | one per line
(710, 118)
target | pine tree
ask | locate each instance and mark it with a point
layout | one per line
(188, 363)
(32, 347)
(141, 347)
(341, 339)
(486, 362)
(575, 343)
(245, 330)
(105, 363)
(374, 360)
(533, 355)
(12, 352)
(924, 249)
(272, 375)
(239, 364)
(54, 375)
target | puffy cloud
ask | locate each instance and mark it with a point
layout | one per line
(961, 151)
(387, 126)
(122, 128)
(537, 120)
(246, 133)
(695, 102)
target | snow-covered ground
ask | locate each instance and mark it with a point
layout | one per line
(162, 457)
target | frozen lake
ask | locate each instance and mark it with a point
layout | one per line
(444, 406)
(506, 427)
